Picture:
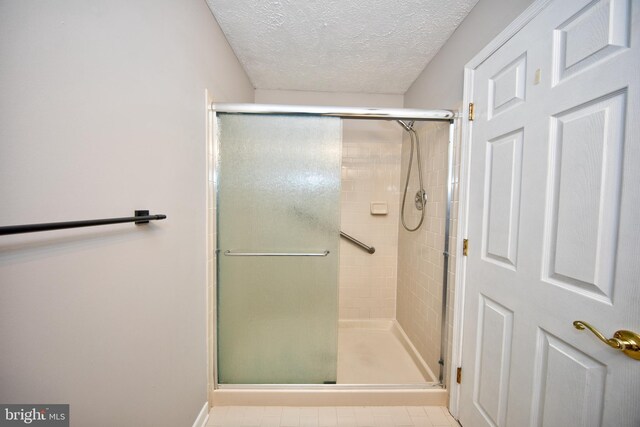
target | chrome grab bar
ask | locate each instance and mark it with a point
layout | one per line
(229, 253)
(357, 242)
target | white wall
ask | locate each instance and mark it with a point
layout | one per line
(440, 84)
(102, 111)
(370, 172)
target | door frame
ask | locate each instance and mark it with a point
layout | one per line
(463, 214)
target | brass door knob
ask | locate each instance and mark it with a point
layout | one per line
(626, 341)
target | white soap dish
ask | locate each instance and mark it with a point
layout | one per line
(379, 208)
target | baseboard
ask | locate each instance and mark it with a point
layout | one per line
(203, 416)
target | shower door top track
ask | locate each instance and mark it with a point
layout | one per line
(342, 112)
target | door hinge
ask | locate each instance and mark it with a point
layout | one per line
(459, 374)
(471, 112)
(465, 247)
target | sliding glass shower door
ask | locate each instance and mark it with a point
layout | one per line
(278, 213)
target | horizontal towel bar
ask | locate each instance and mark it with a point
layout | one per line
(357, 242)
(229, 253)
(141, 217)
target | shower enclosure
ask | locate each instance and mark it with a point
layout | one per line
(277, 187)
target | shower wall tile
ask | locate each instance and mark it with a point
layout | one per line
(420, 254)
(370, 173)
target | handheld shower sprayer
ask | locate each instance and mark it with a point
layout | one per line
(420, 198)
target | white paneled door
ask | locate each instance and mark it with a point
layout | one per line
(554, 222)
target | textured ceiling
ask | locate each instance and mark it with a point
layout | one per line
(373, 46)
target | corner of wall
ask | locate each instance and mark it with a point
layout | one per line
(439, 85)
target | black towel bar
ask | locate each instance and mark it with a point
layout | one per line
(141, 217)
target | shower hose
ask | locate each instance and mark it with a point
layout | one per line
(420, 196)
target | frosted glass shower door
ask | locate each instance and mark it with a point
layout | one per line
(278, 190)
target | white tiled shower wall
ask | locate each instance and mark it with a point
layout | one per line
(420, 254)
(370, 173)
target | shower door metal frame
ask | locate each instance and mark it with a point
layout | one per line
(344, 113)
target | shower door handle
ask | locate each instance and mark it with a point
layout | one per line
(229, 253)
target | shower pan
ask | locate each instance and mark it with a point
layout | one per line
(277, 185)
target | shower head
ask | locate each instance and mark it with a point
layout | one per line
(408, 126)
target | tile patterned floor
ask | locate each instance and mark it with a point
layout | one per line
(347, 416)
